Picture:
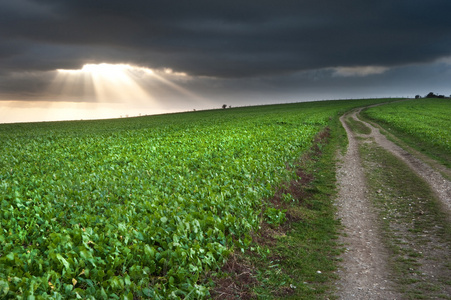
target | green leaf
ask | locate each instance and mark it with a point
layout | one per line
(127, 280)
(147, 292)
(63, 261)
(4, 287)
(10, 256)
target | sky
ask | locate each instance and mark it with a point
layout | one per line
(84, 59)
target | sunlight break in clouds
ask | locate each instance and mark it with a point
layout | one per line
(360, 71)
(103, 82)
(119, 83)
(104, 91)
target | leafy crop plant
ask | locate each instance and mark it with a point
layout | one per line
(142, 207)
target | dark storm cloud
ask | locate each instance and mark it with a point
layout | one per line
(222, 38)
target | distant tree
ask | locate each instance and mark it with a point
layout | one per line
(417, 97)
(224, 106)
(431, 95)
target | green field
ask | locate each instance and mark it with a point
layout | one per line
(425, 124)
(143, 207)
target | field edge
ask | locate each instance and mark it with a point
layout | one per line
(298, 259)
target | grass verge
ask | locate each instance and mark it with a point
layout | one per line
(294, 254)
(437, 159)
(415, 227)
(437, 153)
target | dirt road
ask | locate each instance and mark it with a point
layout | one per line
(365, 272)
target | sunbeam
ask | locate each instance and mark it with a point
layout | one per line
(107, 91)
(119, 83)
(72, 85)
(174, 86)
(108, 82)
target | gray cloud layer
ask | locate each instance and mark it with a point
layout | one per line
(223, 38)
(281, 43)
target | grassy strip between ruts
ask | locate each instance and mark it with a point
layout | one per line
(414, 227)
(357, 126)
(297, 259)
